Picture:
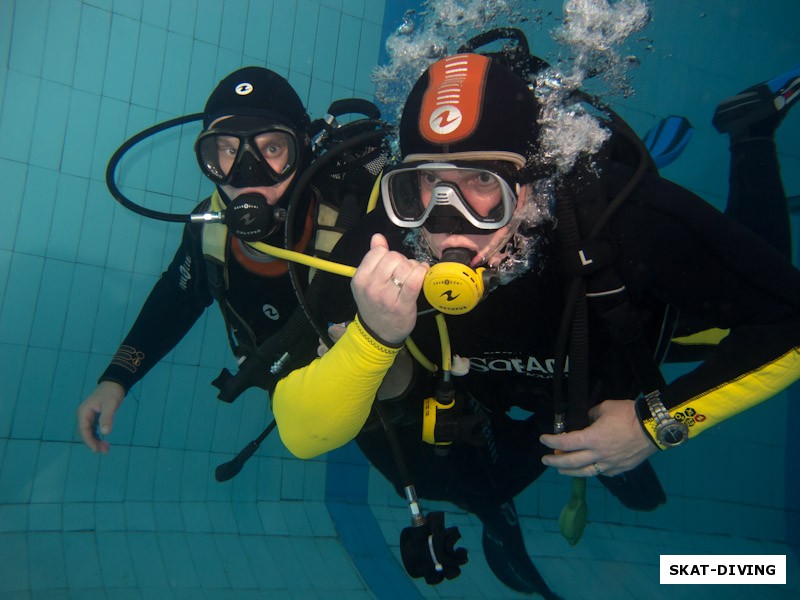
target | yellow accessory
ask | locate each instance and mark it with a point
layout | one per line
(453, 288)
(430, 409)
(574, 515)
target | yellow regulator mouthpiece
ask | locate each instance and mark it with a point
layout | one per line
(453, 288)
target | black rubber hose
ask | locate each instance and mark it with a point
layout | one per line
(231, 469)
(291, 215)
(120, 152)
(575, 316)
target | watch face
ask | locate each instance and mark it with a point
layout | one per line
(673, 434)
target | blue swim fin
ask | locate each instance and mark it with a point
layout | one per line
(667, 139)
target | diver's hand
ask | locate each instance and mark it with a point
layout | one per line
(388, 309)
(96, 414)
(615, 442)
(335, 332)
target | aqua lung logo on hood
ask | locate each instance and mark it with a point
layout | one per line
(243, 88)
(453, 101)
(445, 119)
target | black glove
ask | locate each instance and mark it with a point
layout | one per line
(428, 550)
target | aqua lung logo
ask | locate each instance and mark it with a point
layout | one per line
(186, 272)
(445, 119)
(270, 312)
(243, 88)
(247, 219)
(449, 295)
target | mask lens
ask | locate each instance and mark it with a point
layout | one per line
(481, 196)
(278, 150)
(217, 154)
(405, 192)
(265, 156)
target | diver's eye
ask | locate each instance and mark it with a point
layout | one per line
(428, 179)
(227, 146)
(272, 150)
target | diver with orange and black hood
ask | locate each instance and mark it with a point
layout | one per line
(478, 232)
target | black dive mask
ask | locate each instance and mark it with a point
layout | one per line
(247, 152)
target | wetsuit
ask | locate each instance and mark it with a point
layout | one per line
(255, 295)
(672, 248)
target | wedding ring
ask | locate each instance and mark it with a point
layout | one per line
(397, 282)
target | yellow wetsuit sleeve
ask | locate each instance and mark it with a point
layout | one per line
(710, 407)
(324, 405)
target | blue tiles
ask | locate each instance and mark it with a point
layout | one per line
(37, 210)
(15, 174)
(370, 42)
(234, 22)
(121, 58)
(81, 130)
(67, 390)
(347, 51)
(304, 39)
(35, 387)
(82, 308)
(279, 47)
(149, 520)
(182, 16)
(172, 97)
(19, 304)
(110, 133)
(52, 462)
(146, 84)
(28, 37)
(18, 115)
(65, 230)
(93, 39)
(50, 125)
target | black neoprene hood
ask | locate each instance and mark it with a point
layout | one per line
(503, 109)
(256, 91)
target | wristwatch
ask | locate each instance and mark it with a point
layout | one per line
(669, 431)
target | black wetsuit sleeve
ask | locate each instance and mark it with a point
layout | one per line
(177, 300)
(717, 273)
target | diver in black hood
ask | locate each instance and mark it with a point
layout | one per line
(255, 147)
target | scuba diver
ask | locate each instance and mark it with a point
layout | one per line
(256, 147)
(561, 314)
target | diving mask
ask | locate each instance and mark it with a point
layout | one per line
(481, 196)
(247, 152)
